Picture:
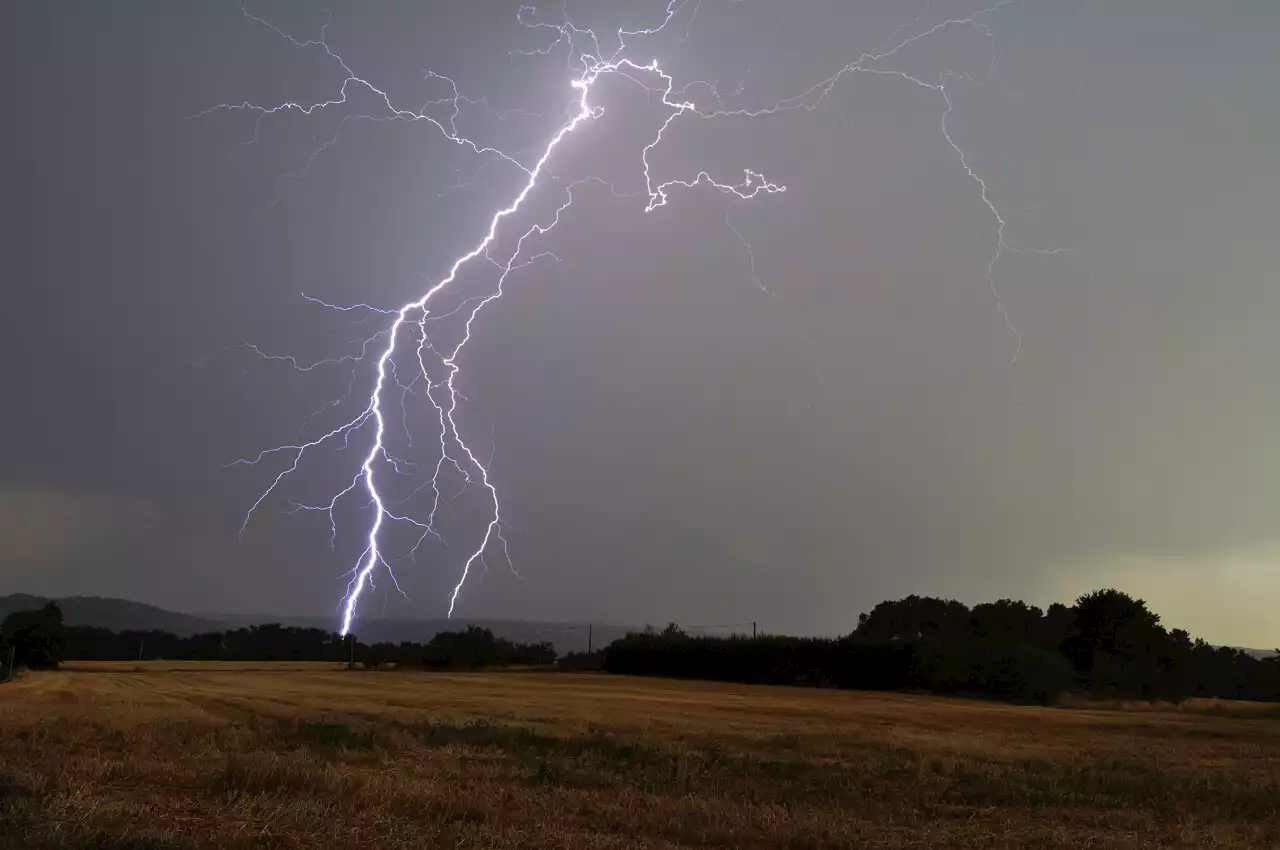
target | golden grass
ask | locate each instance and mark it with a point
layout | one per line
(201, 666)
(1218, 707)
(211, 756)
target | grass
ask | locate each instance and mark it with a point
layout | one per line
(194, 756)
(1217, 707)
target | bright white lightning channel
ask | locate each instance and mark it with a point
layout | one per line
(412, 318)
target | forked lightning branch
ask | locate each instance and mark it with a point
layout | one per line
(405, 354)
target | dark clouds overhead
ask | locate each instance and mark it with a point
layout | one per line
(671, 442)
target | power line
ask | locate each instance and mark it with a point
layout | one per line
(751, 623)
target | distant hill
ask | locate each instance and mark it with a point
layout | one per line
(122, 615)
(115, 614)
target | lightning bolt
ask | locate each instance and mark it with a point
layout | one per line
(410, 328)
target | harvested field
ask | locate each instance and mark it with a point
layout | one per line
(189, 755)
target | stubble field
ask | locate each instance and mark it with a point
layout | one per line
(305, 755)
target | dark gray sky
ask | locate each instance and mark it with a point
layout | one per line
(663, 445)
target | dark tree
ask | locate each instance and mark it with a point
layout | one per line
(476, 647)
(35, 638)
(1005, 620)
(1108, 644)
(1053, 627)
(1116, 643)
(914, 618)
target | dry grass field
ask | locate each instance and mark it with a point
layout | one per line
(306, 755)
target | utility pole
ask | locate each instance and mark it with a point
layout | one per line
(141, 643)
(13, 651)
(753, 629)
(351, 641)
(589, 644)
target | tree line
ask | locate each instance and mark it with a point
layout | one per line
(39, 640)
(1108, 644)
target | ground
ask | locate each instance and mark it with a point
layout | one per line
(304, 755)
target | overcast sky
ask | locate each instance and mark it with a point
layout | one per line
(670, 441)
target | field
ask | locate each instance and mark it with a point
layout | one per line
(306, 755)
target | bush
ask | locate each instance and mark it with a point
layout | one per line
(1019, 671)
(35, 638)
